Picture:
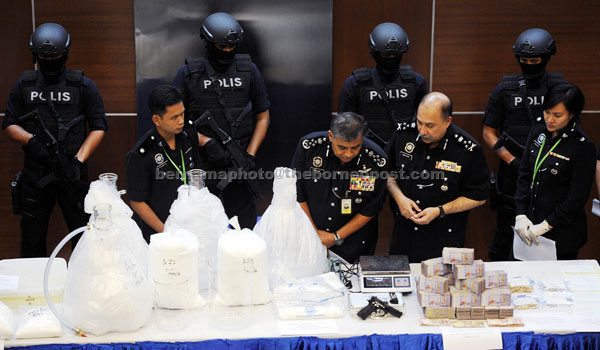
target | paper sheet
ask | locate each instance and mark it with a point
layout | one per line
(546, 250)
(9, 282)
(547, 321)
(472, 338)
(308, 327)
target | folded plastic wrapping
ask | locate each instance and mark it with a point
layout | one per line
(173, 268)
(6, 321)
(242, 268)
(295, 249)
(107, 286)
(319, 296)
(201, 213)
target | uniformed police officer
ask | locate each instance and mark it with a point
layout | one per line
(440, 175)
(157, 164)
(515, 106)
(55, 142)
(340, 187)
(556, 175)
(231, 87)
(387, 95)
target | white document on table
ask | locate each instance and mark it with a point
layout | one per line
(596, 207)
(546, 250)
(308, 327)
(472, 338)
(547, 321)
(9, 282)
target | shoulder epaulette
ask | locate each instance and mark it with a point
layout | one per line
(30, 75)
(74, 75)
(406, 125)
(195, 65)
(376, 156)
(362, 74)
(311, 142)
(243, 62)
(144, 145)
(466, 141)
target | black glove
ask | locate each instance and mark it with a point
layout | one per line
(77, 166)
(515, 164)
(37, 150)
(250, 164)
(217, 155)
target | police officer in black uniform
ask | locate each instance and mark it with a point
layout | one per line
(556, 175)
(440, 174)
(54, 140)
(344, 190)
(230, 86)
(515, 106)
(158, 163)
(389, 94)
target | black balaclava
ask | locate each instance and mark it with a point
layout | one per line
(220, 59)
(387, 65)
(533, 72)
(52, 69)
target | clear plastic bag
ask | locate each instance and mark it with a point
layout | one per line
(295, 249)
(6, 321)
(37, 322)
(107, 287)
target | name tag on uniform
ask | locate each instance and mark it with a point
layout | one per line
(346, 206)
(448, 166)
(362, 183)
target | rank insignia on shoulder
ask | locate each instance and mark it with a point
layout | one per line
(309, 143)
(448, 165)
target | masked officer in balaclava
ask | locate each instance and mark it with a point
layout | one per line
(514, 107)
(231, 88)
(48, 112)
(389, 94)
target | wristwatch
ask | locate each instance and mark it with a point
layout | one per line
(338, 240)
(442, 212)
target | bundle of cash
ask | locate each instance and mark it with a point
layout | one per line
(492, 312)
(506, 322)
(478, 313)
(474, 285)
(435, 267)
(505, 311)
(433, 299)
(520, 284)
(496, 296)
(465, 298)
(469, 324)
(463, 313)
(439, 312)
(434, 284)
(435, 322)
(463, 256)
(477, 269)
(495, 279)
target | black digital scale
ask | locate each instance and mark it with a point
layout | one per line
(384, 274)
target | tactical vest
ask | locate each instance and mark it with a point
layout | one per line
(67, 100)
(401, 93)
(235, 85)
(517, 122)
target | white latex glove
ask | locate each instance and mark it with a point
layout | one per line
(538, 230)
(522, 224)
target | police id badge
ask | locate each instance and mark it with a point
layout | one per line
(346, 206)
(362, 183)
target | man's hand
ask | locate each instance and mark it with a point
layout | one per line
(327, 238)
(538, 230)
(426, 216)
(408, 208)
(38, 150)
(522, 224)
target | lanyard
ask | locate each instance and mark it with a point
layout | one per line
(538, 163)
(180, 171)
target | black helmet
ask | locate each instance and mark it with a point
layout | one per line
(534, 42)
(49, 40)
(221, 28)
(388, 37)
